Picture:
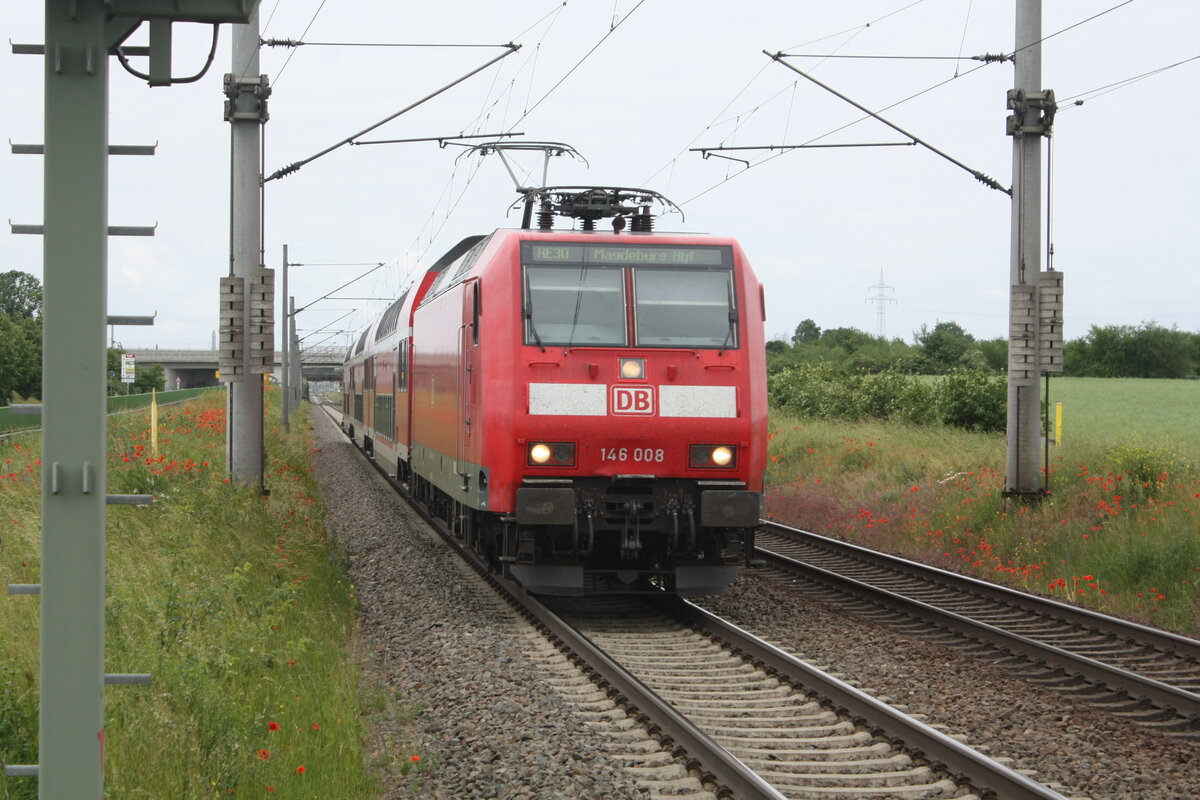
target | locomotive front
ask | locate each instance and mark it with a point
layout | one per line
(641, 449)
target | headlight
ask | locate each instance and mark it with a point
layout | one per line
(722, 456)
(633, 368)
(712, 456)
(552, 454)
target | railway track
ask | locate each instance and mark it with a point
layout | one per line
(804, 732)
(749, 720)
(1149, 676)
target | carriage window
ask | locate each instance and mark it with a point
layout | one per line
(574, 306)
(684, 308)
(402, 366)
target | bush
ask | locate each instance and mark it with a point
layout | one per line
(973, 400)
(891, 395)
(970, 400)
(1148, 467)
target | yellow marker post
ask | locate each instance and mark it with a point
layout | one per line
(1058, 424)
(153, 423)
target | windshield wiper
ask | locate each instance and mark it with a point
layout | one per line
(733, 318)
(529, 317)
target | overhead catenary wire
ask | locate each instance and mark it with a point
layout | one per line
(979, 176)
(301, 43)
(671, 162)
(986, 59)
(962, 42)
(1121, 84)
(512, 48)
(378, 265)
(612, 29)
(441, 140)
(783, 152)
(453, 203)
(288, 60)
(856, 30)
(447, 194)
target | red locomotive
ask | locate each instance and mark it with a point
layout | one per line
(586, 409)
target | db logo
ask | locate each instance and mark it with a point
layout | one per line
(637, 400)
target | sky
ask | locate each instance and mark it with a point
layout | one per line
(836, 235)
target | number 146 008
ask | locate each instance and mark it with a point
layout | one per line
(653, 455)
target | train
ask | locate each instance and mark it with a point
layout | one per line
(585, 410)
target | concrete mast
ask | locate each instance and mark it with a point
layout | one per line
(244, 438)
(1027, 126)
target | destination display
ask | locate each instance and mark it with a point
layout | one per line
(623, 254)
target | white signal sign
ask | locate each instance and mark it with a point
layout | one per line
(127, 368)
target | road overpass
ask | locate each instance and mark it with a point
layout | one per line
(189, 369)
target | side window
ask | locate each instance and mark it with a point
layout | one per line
(402, 366)
(476, 310)
(443, 280)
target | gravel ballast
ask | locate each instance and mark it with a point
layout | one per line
(451, 679)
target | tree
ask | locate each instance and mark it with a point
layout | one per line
(20, 357)
(806, 331)
(947, 347)
(20, 295)
(995, 353)
(1123, 351)
(1157, 352)
(849, 340)
(147, 378)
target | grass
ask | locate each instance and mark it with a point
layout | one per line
(1120, 530)
(1097, 411)
(235, 602)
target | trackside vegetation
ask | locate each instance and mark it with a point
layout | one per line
(965, 399)
(1118, 531)
(1113, 351)
(236, 603)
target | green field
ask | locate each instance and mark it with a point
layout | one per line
(1105, 411)
(1119, 530)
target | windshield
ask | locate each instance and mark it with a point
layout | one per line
(575, 295)
(684, 308)
(573, 306)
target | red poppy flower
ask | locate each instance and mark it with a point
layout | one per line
(316, 727)
(301, 769)
(264, 754)
(414, 758)
(272, 726)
